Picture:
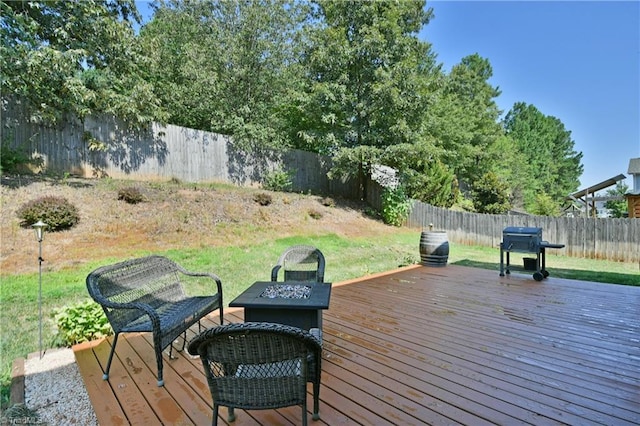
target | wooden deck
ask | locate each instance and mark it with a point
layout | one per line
(451, 345)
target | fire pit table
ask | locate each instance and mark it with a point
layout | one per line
(295, 303)
(525, 240)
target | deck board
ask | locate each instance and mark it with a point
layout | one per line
(422, 345)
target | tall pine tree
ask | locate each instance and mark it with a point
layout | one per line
(551, 165)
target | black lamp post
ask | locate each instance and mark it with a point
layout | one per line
(39, 230)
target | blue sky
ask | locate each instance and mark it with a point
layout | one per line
(578, 61)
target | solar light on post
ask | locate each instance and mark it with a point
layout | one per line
(39, 230)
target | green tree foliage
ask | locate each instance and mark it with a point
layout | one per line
(545, 206)
(368, 81)
(551, 165)
(357, 162)
(503, 158)
(77, 57)
(464, 118)
(618, 208)
(424, 176)
(490, 194)
(396, 206)
(366, 75)
(226, 66)
(349, 79)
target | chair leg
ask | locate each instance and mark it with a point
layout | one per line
(158, 349)
(105, 376)
(316, 401)
(214, 420)
(304, 413)
(232, 415)
(184, 340)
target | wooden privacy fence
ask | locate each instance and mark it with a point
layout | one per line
(162, 152)
(167, 151)
(592, 238)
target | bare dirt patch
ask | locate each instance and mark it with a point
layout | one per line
(172, 216)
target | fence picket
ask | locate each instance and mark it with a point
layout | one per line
(593, 238)
(165, 152)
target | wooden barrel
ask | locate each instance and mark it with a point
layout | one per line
(434, 248)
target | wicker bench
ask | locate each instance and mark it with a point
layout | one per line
(148, 295)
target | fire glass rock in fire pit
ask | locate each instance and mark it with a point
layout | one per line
(287, 291)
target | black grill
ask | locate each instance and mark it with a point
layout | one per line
(525, 240)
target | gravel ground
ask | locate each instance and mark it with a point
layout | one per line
(55, 390)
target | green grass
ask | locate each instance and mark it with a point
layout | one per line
(603, 271)
(242, 264)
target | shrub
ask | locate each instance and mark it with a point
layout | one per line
(12, 159)
(316, 214)
(408, 259)
(131, 195)
(328, 202)
(262, 198)
(545, 206)
(80, 323)
(395, 206)
(464, 204)
(491, 194)
(57, 212)
(371, 212)
(278, 180)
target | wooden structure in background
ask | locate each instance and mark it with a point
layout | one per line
(586, 197)
(633, 201)
(633, 197)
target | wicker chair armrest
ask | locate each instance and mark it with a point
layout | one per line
(274, 272)
(214, 277)
(147, 309)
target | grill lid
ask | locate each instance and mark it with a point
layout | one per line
(520, 230)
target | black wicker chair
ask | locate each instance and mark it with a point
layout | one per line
(147, 295)
(300, 263)
(259, 365)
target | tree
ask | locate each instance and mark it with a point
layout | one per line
(545, 206)
(424, 176)
(501, 158)
(367, 79)
(75, 57)
(226, 66)
(365, 71)
(617, 208)
(490, 194)
(551, 166)
(464, 118)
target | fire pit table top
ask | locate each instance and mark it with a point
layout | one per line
(290, 294)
